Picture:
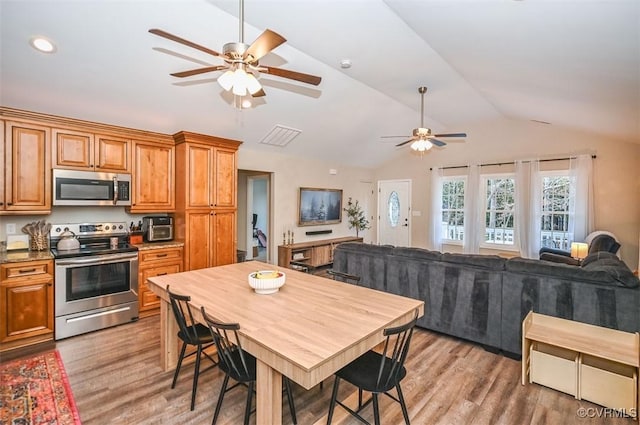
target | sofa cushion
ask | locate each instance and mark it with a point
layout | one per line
(556, 270)
(610, 265)
(489, 262)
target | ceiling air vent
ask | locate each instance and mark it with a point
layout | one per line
(280, 136)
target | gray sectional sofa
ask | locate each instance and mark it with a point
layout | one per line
(483, 298)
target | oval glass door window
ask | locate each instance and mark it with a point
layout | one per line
(394, 209)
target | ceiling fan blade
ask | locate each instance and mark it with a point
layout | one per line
(404, 143)
(266, 42)
(437, 142)
(259, 93)
(177, 39)
(392, 137)
(292, 75)
(451, 135)
(198, 71)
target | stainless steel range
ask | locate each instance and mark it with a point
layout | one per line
(96, 285)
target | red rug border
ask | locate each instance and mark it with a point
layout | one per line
(67, 388)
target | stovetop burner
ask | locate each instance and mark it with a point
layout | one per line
(94, 238)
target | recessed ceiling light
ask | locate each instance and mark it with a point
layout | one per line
(246, 103)
(42, 44)
(345, 63)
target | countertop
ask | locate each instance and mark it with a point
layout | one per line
(158, 245)
(24, 255)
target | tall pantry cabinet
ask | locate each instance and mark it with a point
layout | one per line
(206, 192)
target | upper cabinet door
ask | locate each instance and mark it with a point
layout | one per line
(79, 150)
(112, 154)
(199, 184)
(225, 178)
(27, 164)
(153, 177)
(72, 149)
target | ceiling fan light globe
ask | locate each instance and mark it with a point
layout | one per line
(421, 145)
(253, 86)
(239, 89)
(240, 82)
(226, 80)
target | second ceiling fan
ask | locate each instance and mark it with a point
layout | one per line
(422, 138)
(241, 61)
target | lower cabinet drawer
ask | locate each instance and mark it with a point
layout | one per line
(609, 384)
(554, 367)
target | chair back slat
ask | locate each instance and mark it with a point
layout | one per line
(183, 315)
(225, 336)
(394, 353)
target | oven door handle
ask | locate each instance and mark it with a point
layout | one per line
(97, 259)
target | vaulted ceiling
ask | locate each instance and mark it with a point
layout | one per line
(572, 63)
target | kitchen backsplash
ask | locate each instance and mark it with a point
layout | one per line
(71, 215)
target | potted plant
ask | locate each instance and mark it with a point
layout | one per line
(356, 217)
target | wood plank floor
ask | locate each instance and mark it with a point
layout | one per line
(116, 379)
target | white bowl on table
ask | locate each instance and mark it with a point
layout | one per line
(266, 282)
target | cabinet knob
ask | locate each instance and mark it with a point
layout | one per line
(1, 203)
(9, 203)
(49, 284)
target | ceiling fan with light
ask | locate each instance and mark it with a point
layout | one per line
(422, 138)
(241, 61)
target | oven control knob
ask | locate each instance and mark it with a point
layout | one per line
(120, 227)
(106, 228)
(57, 230)
(66, 229)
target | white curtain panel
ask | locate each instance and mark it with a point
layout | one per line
(473, 211)
(581, 197)
(528, 209)
(436, 209)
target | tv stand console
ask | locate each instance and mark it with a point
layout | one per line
(313, 254)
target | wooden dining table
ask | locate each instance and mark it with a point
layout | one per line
(309, 329)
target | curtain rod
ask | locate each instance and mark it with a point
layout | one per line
(507, 163)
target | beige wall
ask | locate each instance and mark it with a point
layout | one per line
(616, 172)
(291, 173)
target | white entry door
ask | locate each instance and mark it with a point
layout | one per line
(394, 212)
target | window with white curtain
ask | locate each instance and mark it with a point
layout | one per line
(499, 210)
(557, 214)
(520, 211)
(453, 209)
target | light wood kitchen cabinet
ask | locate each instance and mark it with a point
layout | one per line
(153, 177)
(155, 262)
(80, 150)
(26, 303)
(211, 237)
(206, 188)
(26, 183)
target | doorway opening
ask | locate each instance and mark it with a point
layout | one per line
(254, 214)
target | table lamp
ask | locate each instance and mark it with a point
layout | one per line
(579, 250)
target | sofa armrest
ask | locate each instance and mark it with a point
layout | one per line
(556, 258)
(554, 251)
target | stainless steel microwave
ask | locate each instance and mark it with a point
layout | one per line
(71, 187)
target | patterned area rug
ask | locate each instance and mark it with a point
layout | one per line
(36, 391)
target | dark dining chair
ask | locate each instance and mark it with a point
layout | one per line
(377, 373)
(238, 365)
(190, 333)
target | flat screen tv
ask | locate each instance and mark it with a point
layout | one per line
(319, 206)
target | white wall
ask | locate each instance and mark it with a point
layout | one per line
(616, 172)
(291, 173)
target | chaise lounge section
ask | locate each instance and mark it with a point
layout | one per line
(484, 298)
